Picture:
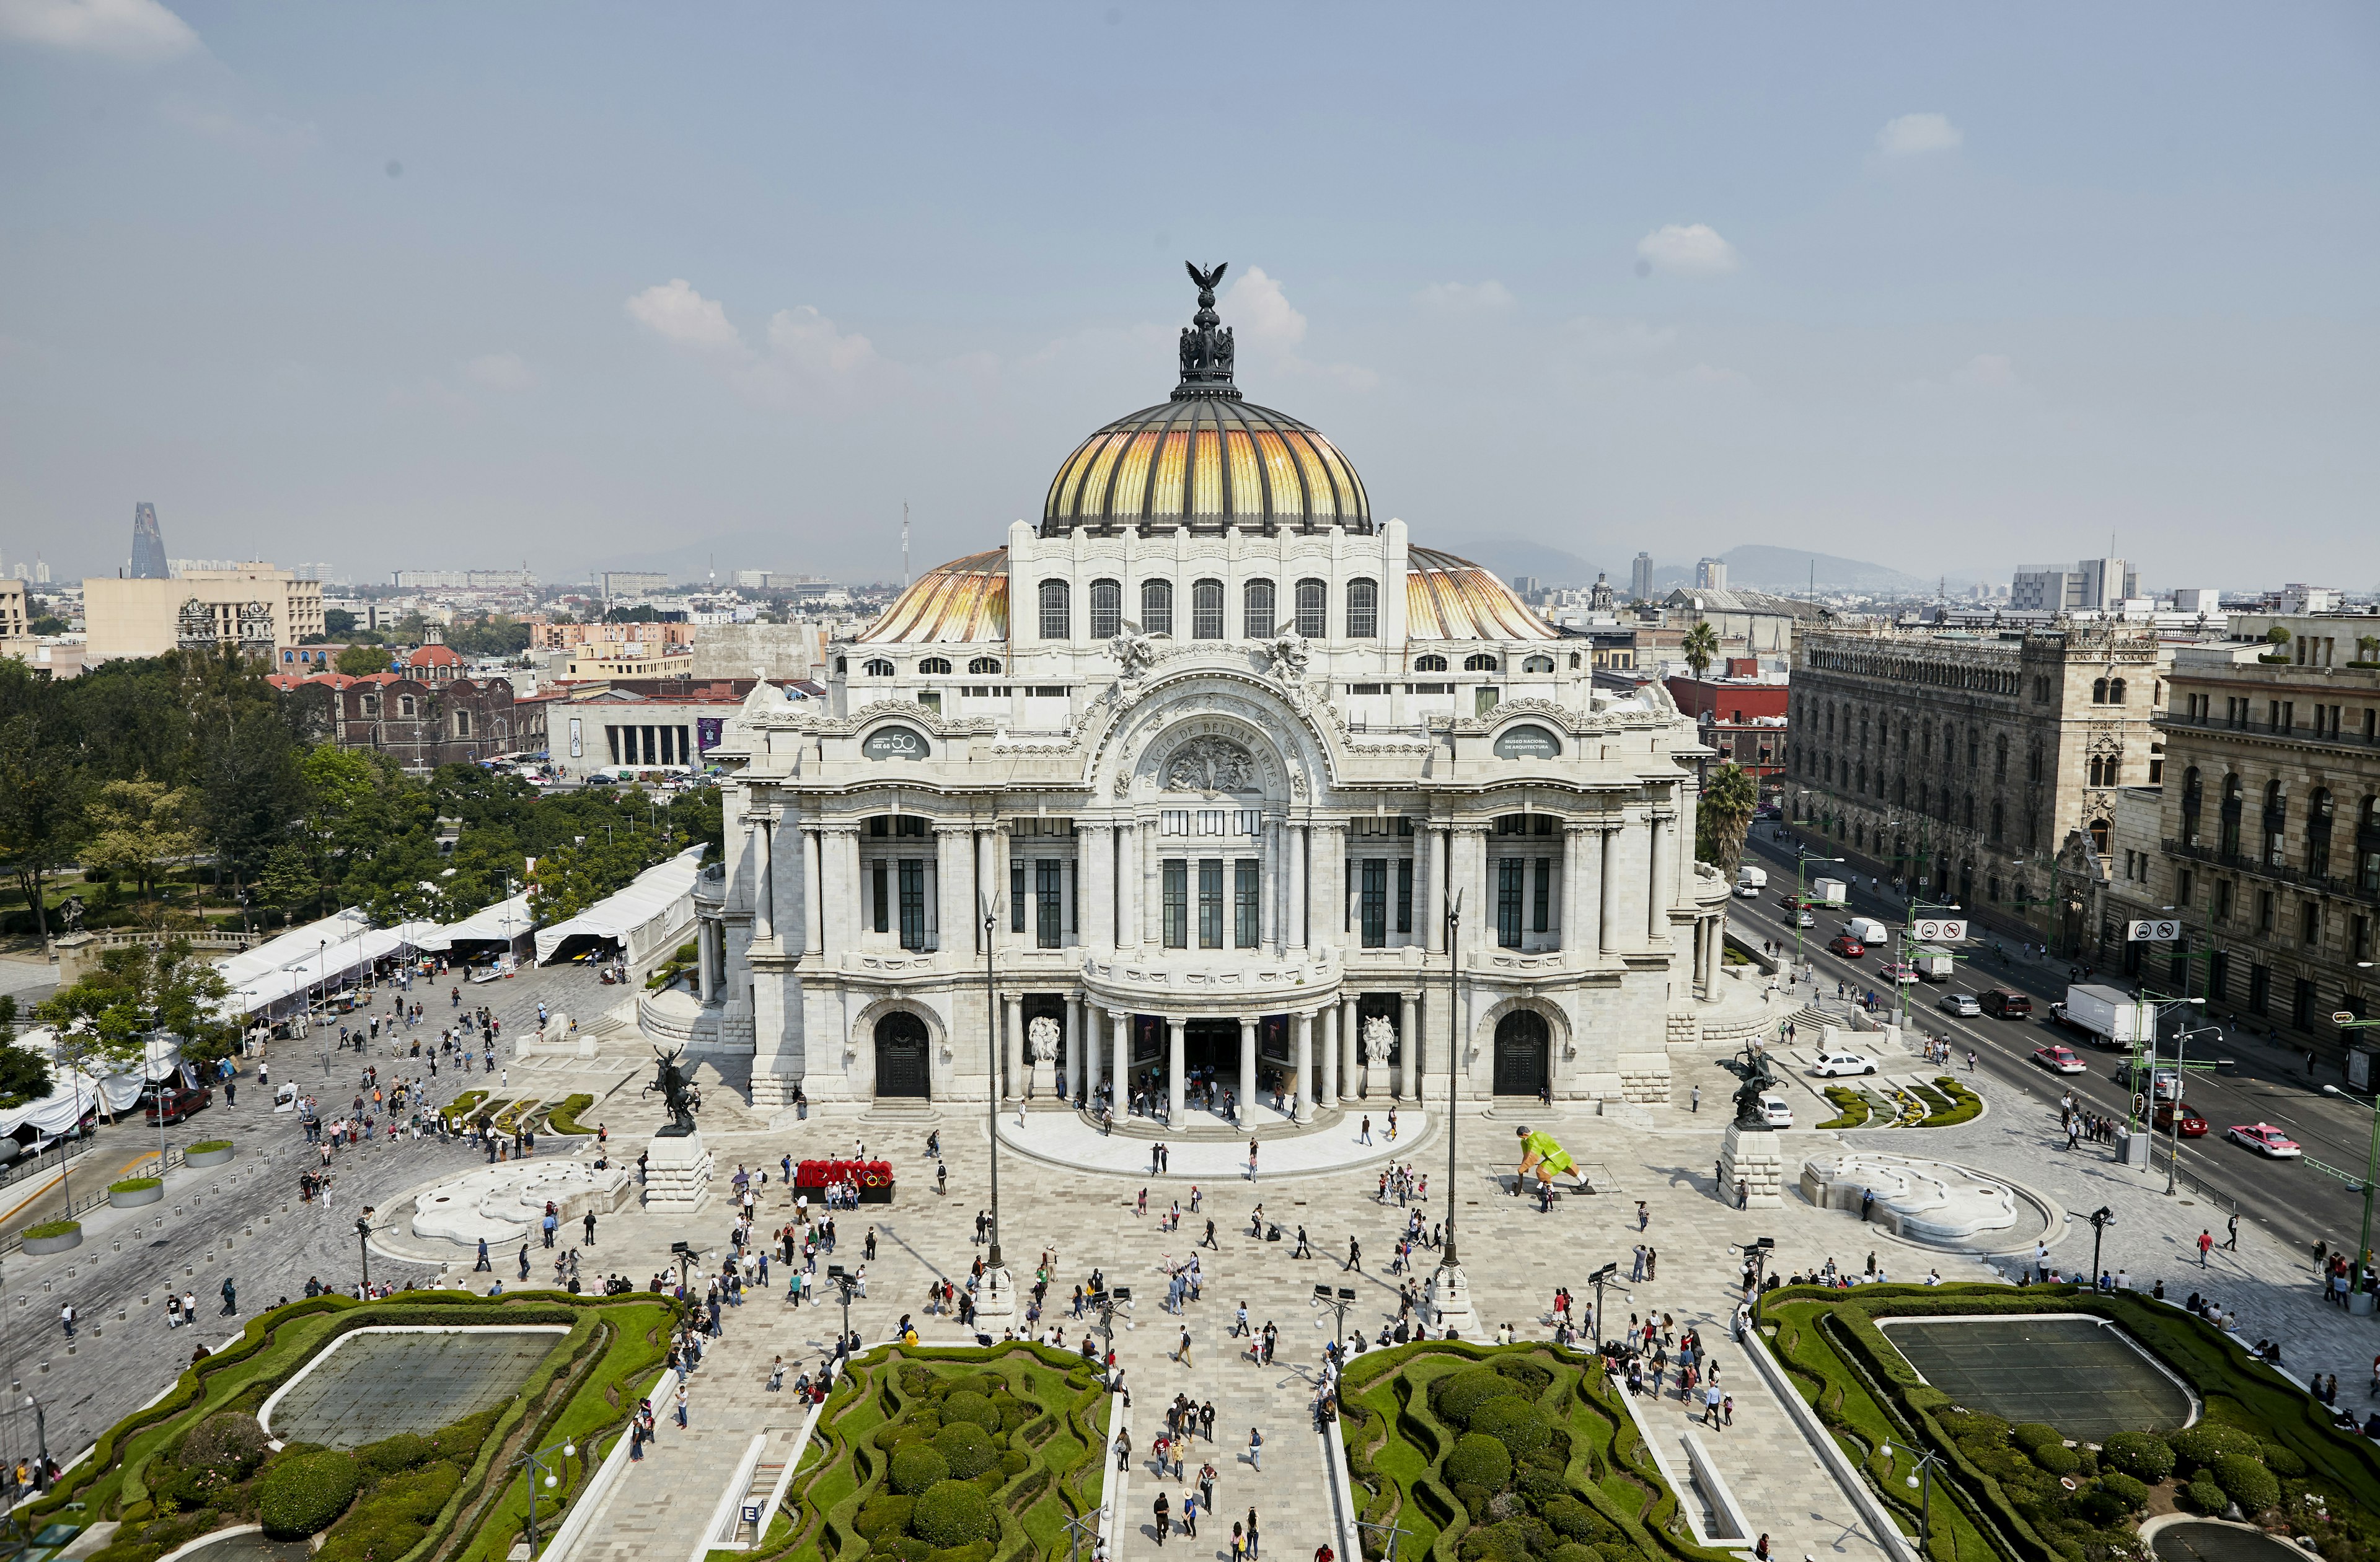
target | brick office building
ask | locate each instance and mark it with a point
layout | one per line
(423, 722)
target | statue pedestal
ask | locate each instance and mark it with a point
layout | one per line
(1380, 1084)
(677, 1173)
(995, 1300)
(1446, 1302)
(1751, 1156)
(1044, 1089)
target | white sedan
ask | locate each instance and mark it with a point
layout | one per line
(1832, 1064)
(1778, 1113)
(2265, 1140)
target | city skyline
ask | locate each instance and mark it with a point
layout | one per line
(1902, 291)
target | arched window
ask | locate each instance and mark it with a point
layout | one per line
(1431, 663)
(1057, 612)
(404, 704)
(1573, 661)
(2319, 810)
(841, 666)
(1362, 610)
(2193, 794)
(2098, 691)
(1157, 607)
(1256, 611)
(1479, 662)
(2276, 824)
(1206, 609)
(876, 667)
(2033, 760)
(1539, 664)
(2115, 691)
(1999, 820)
(1313, 608)
(985, 665)
(1107, 610)
(935, 666)
(2000, 758)
(2234, 796)
(2367, 845)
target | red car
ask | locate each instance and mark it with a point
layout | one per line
(178, 1102)
(2193, 1121)
(1848, 947)
(2059, 1060)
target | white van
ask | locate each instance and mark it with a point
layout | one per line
(1867, 930)
(1750, 881)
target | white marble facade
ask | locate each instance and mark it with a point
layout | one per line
(1218, 790)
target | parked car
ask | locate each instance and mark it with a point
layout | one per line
(1962, 1004)
(1831, 1065)
(1845, 945)
(1779, 1114)
(2193, 1121)
(2265, 1140)
(2002, 1004)
(2060, 1060)
(177, 1101)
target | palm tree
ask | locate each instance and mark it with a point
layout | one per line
(1727, 800)
(1700, 646)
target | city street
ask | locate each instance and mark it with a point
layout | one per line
(2267, 1084)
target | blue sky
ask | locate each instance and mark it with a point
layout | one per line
(1944, 288)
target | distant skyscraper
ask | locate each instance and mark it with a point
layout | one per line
(148, 547)
(1711, 574)
(1640, 577)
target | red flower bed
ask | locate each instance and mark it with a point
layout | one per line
(867, 1174)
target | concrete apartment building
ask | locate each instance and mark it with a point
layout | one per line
(1979, 768)
(254, 605)
(2266, 841)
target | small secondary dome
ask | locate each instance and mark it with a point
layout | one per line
(1206, 459)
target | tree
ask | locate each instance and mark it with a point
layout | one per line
(138, 990)
(24, 1074)
(139, 827)
(338, 622)
(361, 661)
(1701, 647)
(1725, 815)
(288, 877)
(41, 782)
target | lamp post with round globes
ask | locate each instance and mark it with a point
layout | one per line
(548, 1475)
(1450, 1289)
(1922, 1479)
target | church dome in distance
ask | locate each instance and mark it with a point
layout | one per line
(1206, 459)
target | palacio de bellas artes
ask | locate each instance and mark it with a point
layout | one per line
(1205, 796)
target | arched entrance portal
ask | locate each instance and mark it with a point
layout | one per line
(1523, 1053)
(902, 1065)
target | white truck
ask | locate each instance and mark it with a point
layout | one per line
(1933, 964)
(1750, 881)
(1831, 890)
(1869, 931)
(2105, 1016)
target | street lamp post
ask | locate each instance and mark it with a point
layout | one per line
(534, 1466)
(1108, 1301)
(1922, 1479)
(997, 1286)
(1600, 1278)
(1338, 1303)
(363, 1246)
(2101, 1218)
(845, 1283)
(1450, 1287)
(2371, 1172)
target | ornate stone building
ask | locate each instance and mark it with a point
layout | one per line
(1975, 767)
(1194, 771)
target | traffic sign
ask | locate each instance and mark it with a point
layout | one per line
(1939, 929)
(2163, 931)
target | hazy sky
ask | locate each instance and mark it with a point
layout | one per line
(447, 285)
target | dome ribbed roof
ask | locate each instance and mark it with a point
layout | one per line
(1206, 459)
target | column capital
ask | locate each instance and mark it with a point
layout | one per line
(953, 826)
(1175, 1021)
(1015, 996)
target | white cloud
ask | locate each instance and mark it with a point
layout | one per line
(1689, 249)
(1914, 135)
(500, 371)
(805, 339)
(1986, 371)
(1258, 311)
(1463, 297)
(125, 29)
(678, 314)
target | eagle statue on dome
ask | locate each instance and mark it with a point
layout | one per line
(1207, 353)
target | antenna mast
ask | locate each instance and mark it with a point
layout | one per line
(905, 545)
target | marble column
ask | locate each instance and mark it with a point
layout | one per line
(1013, 1048)
(1302, 1105)
(1093, 1054)
(1095, 910)
(1662, 885)
(1326, 1083)
(814, 900)
(1175, 1066)
(1269, 886)
(1127, 877)
(1295, 936)
(1477, 928)
(1607, 917)
(1152, 887)
(1074, 1042)
(987, 887)
(954, 846)
(1433, 888)
(1408, 1046)
(1573, 855)
(1350, 1055)
(1120, 1076)
(1003, 937)
(706, 939)
(764, 889)
(1326, 910)
(1247, 1066)
(851, 870)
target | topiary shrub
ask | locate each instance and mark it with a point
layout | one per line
(1535, 1378)
(884, 1516)
(1516, 1422)
(2246, 1481)
(2031, 1434)
(391, 1454)
(2144, 1456)
(302, 1496)
(1454, 1397)
(2198, 1447)
(2058, 1459)
(951, 1513)
(2133, 1494)
(968, 1450)
(966, 1404)
(2102, 1508)
(1479, 1460)
(394, 1519)
(229, 1441)
(2282, 1461)
(917, 1466)
(1571, 1551)
(2204, 1495)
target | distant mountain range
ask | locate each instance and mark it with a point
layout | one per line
(1754, 567)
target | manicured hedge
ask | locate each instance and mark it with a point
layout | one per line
(53, 1229)
(134, 1184)
(204, 1145)
(301, 1495)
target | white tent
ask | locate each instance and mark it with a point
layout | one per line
(658, 906)
(79, 1090)
(320, 955)
(315, 942)
(498, 924)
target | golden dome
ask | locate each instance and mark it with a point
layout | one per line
(965, 600)
(1206, 459)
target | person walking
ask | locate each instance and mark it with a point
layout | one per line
(1164, 1518)
(1256, 1452)
(2231, 1239)
(67, 1319)
(2206, 1244)
(1354, 1256)
(588, 1240)
(1182, 1352)
(681, 1403)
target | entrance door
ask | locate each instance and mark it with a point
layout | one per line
(901, 1064)
(1523, 1048)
